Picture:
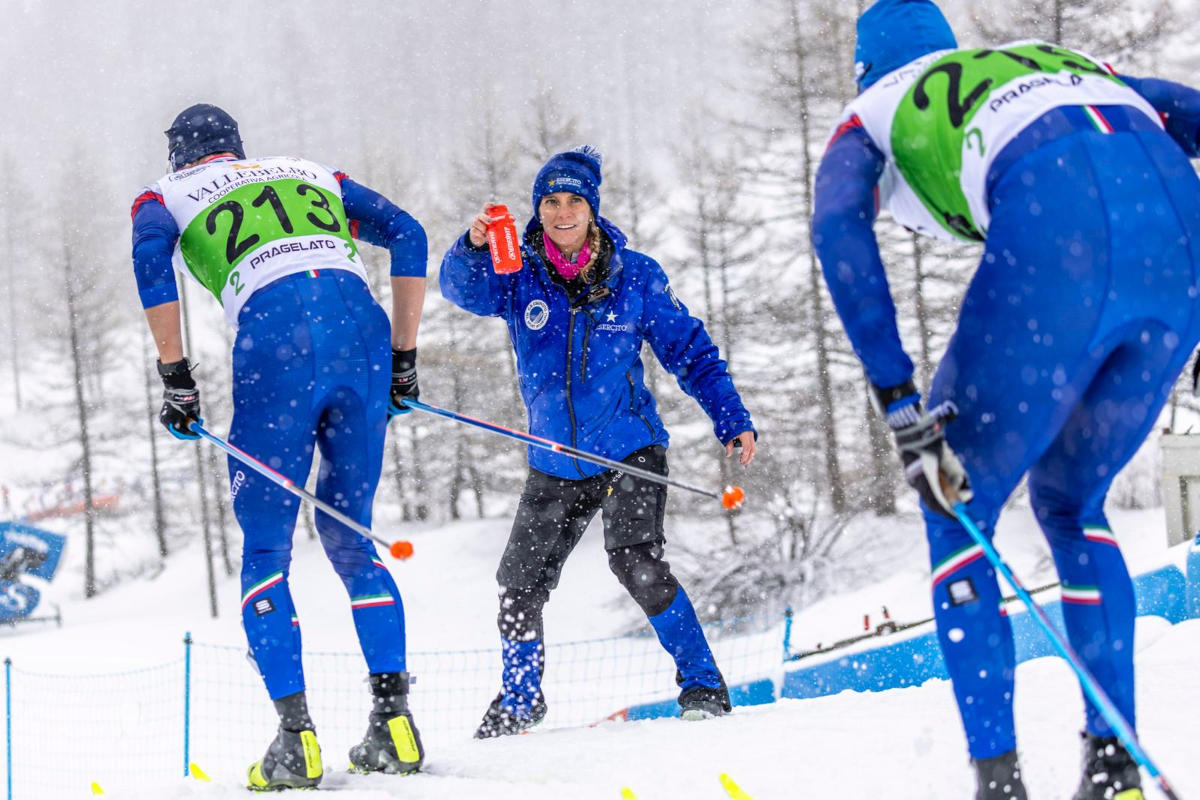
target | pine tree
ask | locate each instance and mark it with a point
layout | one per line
(1104, 28)
(719, 244)
(803, 75)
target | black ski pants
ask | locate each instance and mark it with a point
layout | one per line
(551, 518)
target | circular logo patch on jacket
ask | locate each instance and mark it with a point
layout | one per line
(537, 314)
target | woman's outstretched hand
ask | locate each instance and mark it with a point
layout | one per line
(745, 440)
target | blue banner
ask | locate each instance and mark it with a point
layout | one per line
(25, 550)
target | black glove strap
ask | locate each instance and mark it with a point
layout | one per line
(403, 360)
(177, 374)
(885, 397)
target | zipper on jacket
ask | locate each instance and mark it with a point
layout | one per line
(570, 370)
(587, 335)
(646, 422)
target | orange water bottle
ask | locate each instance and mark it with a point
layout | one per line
(502, 240)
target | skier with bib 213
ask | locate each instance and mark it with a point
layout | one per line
(273, 239)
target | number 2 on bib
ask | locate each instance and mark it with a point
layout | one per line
(308, 198)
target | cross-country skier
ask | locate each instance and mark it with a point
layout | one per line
(274, 240)
(1081, 315)
(578, 315)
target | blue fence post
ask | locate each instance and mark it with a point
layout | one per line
(1193, 579)
(787, 632)
(8, 724)
(187, 702)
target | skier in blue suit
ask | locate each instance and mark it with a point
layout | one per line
(1079, 319)
(578, 314)
(274, 240)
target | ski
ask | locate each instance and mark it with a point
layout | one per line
(734, 791)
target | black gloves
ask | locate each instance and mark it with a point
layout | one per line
(181, 399)
(404, 381)
(930, 466)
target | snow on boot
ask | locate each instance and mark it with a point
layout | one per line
(703, 692)
(293, 761)
(392, 743)
(1109, 772)
(999, 778)
(704, 703)
(520, 704)
(500, 720)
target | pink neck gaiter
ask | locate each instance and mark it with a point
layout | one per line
(568, 269)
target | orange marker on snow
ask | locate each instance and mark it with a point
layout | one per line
(401, 549)
(733, 497)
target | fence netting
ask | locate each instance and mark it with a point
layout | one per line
(130, 729)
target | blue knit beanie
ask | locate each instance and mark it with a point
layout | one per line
(892, 33)
(576, 171)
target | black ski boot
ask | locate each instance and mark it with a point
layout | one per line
(703, 702)
(499, 721)
(392, 743)
(999, 778)
(293, 760)
(1109, 772)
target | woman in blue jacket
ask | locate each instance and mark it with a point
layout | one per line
(578, 314)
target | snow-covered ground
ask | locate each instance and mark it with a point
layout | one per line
(897, 744)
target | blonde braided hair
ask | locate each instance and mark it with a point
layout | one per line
(593, 239)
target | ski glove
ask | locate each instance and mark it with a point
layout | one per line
(181, 399)
(404, 381)
(930, 466)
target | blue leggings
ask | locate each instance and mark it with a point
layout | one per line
(1070, 338)
(312, 369)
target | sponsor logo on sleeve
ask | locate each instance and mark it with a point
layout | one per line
(962, 592)
(674, 299)
(235, 485)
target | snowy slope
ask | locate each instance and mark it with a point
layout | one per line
(898, 744)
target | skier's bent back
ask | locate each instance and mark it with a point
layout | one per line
(1078, 321)
(273, 239)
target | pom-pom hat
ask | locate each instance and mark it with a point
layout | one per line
(576, 171)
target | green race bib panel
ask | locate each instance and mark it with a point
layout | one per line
(942, 119)
(247, 223)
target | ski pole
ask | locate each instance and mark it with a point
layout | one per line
(731, 498)
(1091, 687)
(400, 549)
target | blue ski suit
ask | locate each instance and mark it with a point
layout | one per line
(311, 370)
(1071, 335)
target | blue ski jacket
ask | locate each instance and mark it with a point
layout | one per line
(579, 362)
